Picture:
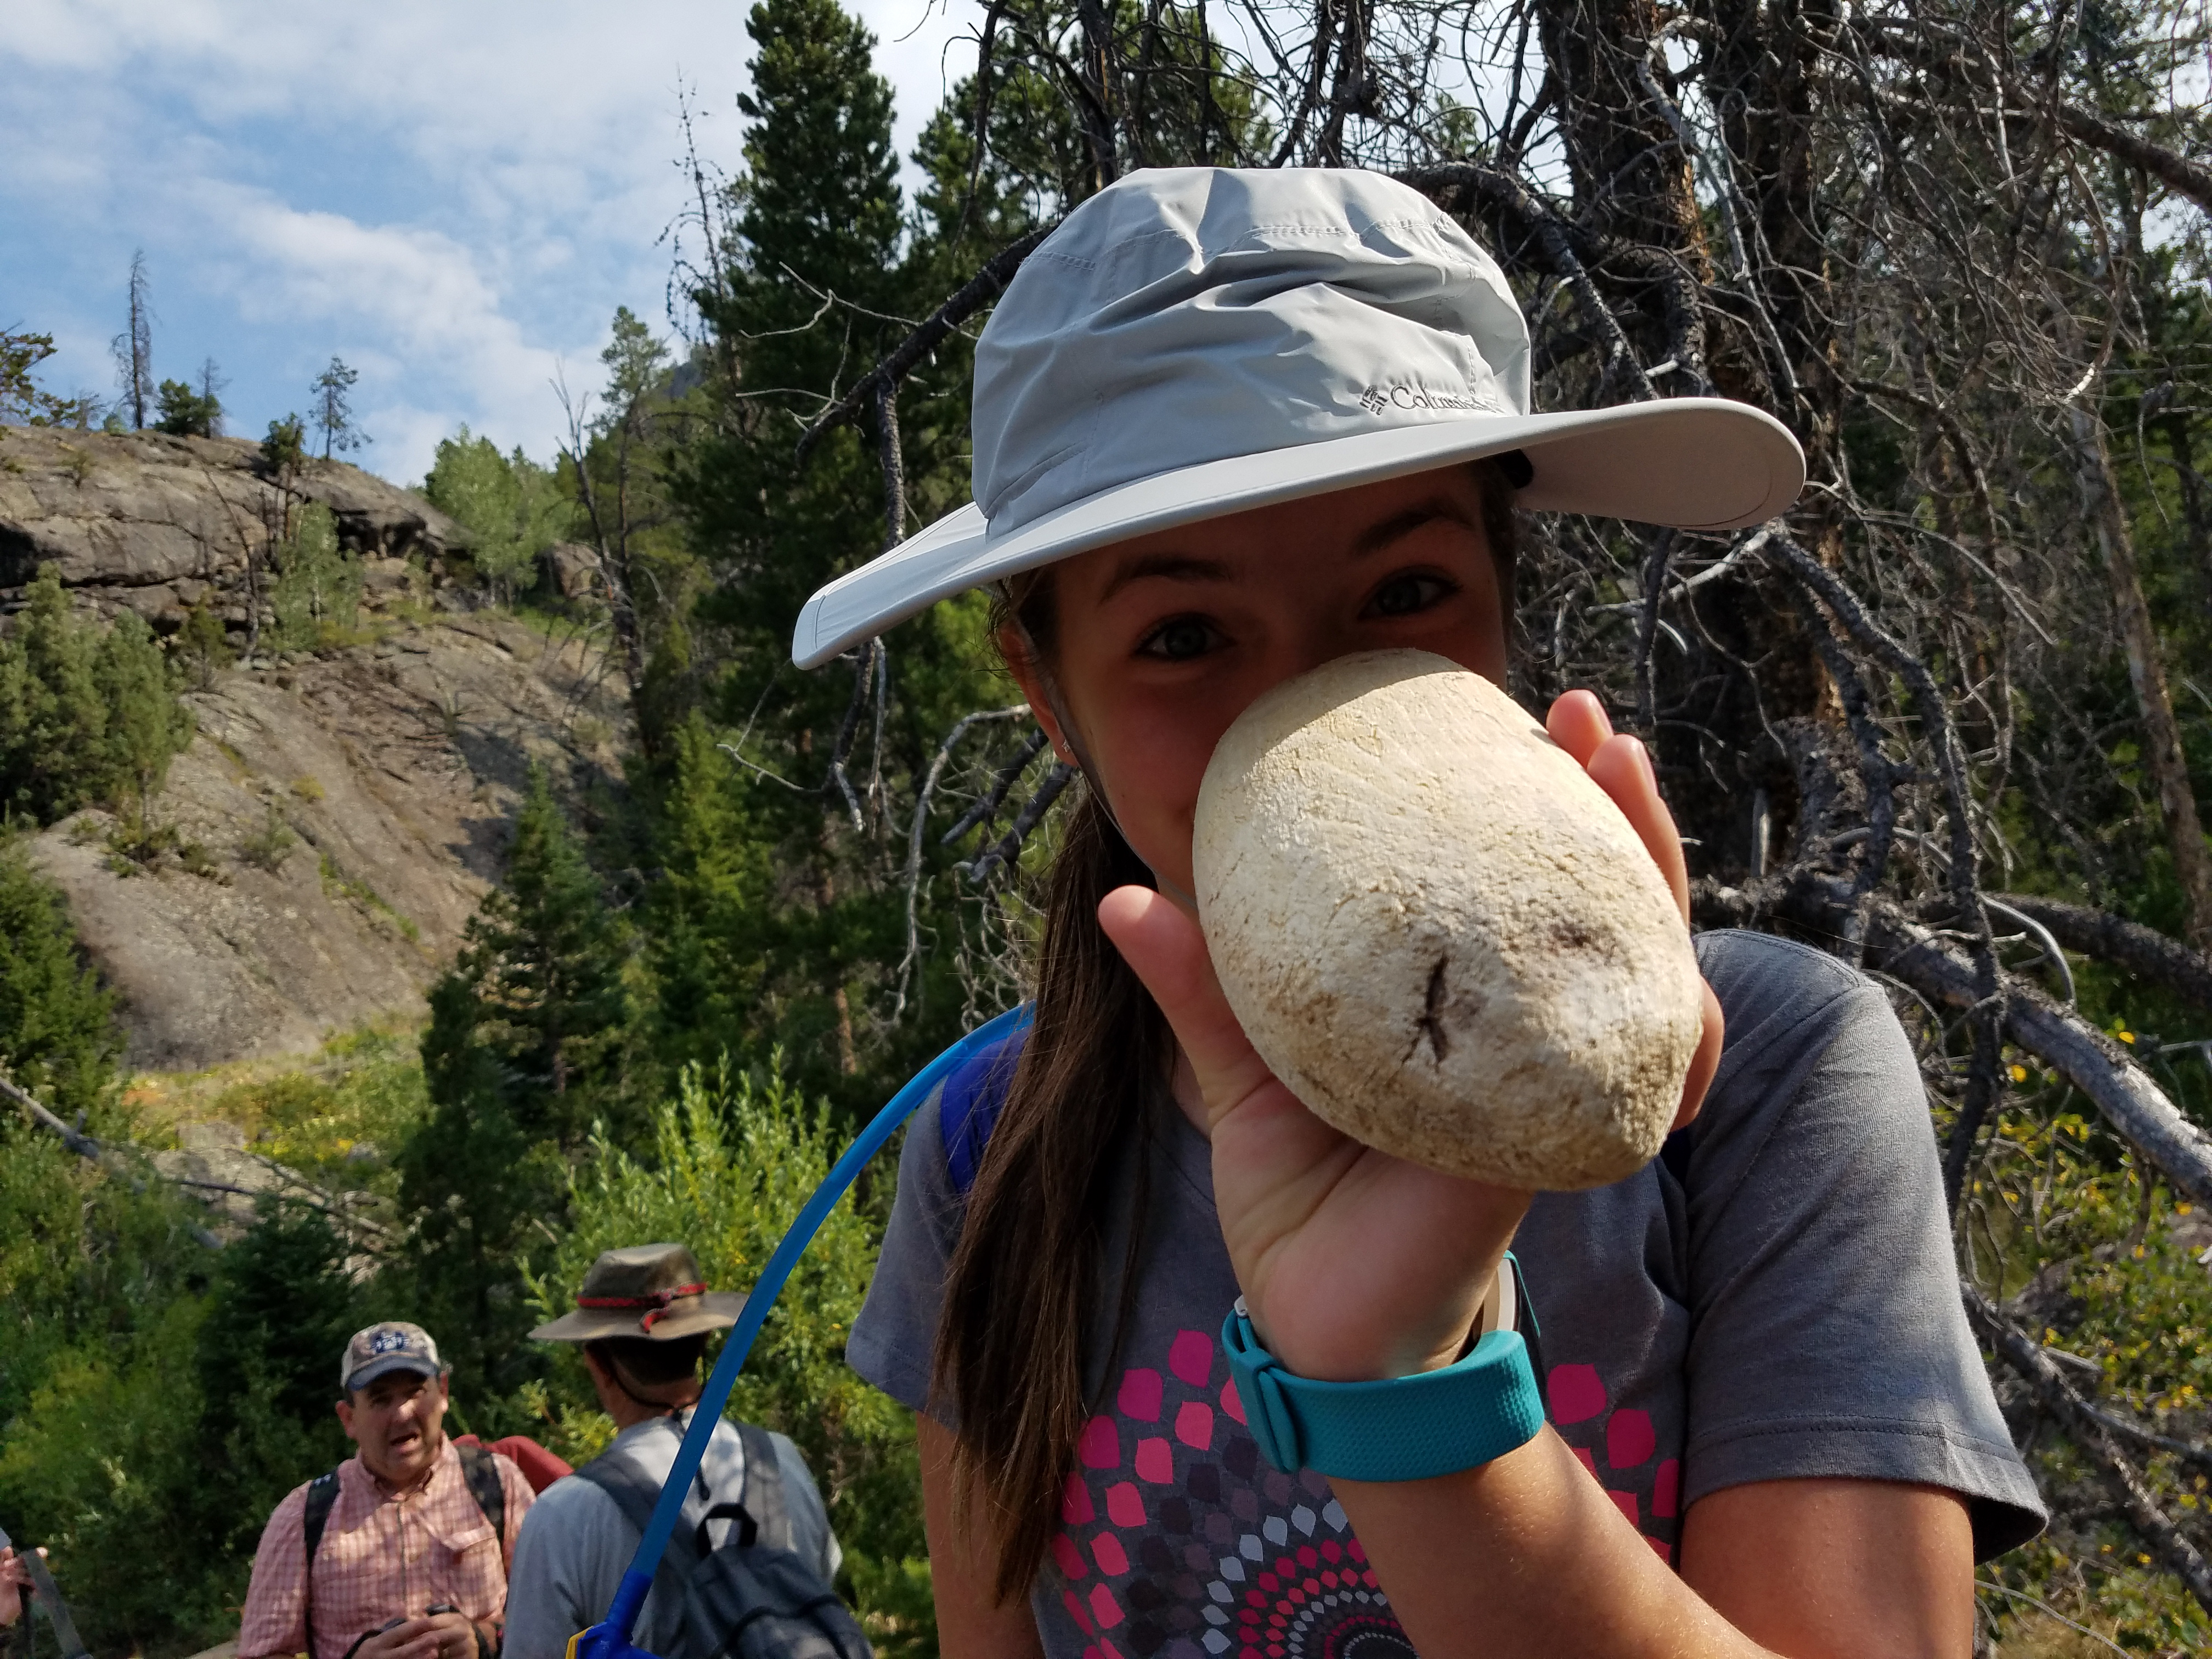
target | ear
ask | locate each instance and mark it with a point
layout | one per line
(345, 1416)
(1029, 674)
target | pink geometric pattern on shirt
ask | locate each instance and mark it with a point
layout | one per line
(1237, 1559)
(1183, 1544)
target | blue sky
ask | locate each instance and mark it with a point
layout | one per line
(453, 198)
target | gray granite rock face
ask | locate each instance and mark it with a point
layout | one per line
(349, 810)
(159, 524)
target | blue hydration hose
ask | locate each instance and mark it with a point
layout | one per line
(610, 1639)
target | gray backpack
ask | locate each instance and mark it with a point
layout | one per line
(751, 1598)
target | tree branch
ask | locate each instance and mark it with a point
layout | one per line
(82, 1144)
(985, 286)
(2176, 172)
(2128, 945)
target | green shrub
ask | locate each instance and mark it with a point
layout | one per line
(317, 594)
(87, 715)
(513, 508)
(727, 1166)
(58, 1033)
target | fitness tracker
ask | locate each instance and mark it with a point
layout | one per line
(1407, 1428)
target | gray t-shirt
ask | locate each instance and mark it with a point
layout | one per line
(575, 1543)
(1791, 1309)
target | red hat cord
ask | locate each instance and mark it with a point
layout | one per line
(656, 1300)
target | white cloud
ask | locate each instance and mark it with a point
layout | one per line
(454, 198)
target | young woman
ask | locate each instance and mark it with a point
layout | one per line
(1229, 426)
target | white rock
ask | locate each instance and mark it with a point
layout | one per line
(1438, 931)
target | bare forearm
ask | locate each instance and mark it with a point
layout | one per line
(1527, 1555)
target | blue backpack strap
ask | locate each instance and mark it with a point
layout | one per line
(969, 1108)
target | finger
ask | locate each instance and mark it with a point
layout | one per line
(1577, 724)
(1165, 950)
(1621, 766)
(1705, 1061)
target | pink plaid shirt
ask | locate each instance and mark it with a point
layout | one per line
(383, 1555)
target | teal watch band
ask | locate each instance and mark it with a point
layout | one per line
(1406, 1428)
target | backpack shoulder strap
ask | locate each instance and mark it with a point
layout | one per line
(968, 1107)
(314, 1516)
(764, 1500)
(322, 1496)
(634, 1494)
(480, 1468)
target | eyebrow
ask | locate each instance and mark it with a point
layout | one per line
(1183, 567)
(1375, 537)
(1170, 566)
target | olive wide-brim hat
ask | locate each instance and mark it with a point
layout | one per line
(650, 1290)
(1193, 341)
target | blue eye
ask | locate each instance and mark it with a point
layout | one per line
(1408, 594)
(1179, 640)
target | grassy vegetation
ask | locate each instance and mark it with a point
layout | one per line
(337, 1117)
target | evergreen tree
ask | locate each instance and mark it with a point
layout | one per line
(285, 448)
(332, 409)
(282, 1305)
(85, 716)
(146, 726)
(185, 411)
(542, 961)
(525, 1050)
(58, 1038)
(53, 725)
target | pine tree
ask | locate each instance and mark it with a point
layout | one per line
(332, 409)
(524, 1051)
(146, 726)
(57, 1034)
(542, 965)
(53, 724)
(185, 411)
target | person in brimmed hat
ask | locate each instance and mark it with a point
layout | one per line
(1229, 426)
(401, 1551)
(642, 1316)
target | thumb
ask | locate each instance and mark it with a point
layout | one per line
(1164, 949)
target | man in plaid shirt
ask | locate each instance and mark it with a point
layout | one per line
(408, 1565)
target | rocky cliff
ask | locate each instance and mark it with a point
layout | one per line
(161, 525)
(340, 813)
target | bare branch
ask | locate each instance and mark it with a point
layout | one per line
(985, 286)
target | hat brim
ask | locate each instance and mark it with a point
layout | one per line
(1693, 463)
(385, 1366)
(715, 1310)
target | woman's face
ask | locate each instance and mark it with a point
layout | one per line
(1163, 641)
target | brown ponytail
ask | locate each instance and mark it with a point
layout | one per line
(1023, 1280)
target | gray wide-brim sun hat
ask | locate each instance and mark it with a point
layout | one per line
(1193, 341)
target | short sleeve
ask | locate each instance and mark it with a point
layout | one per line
(569, 1558)
(894, 1337)
(274, 1619)
(1827, 1335)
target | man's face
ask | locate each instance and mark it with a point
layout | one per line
(398, 1423)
